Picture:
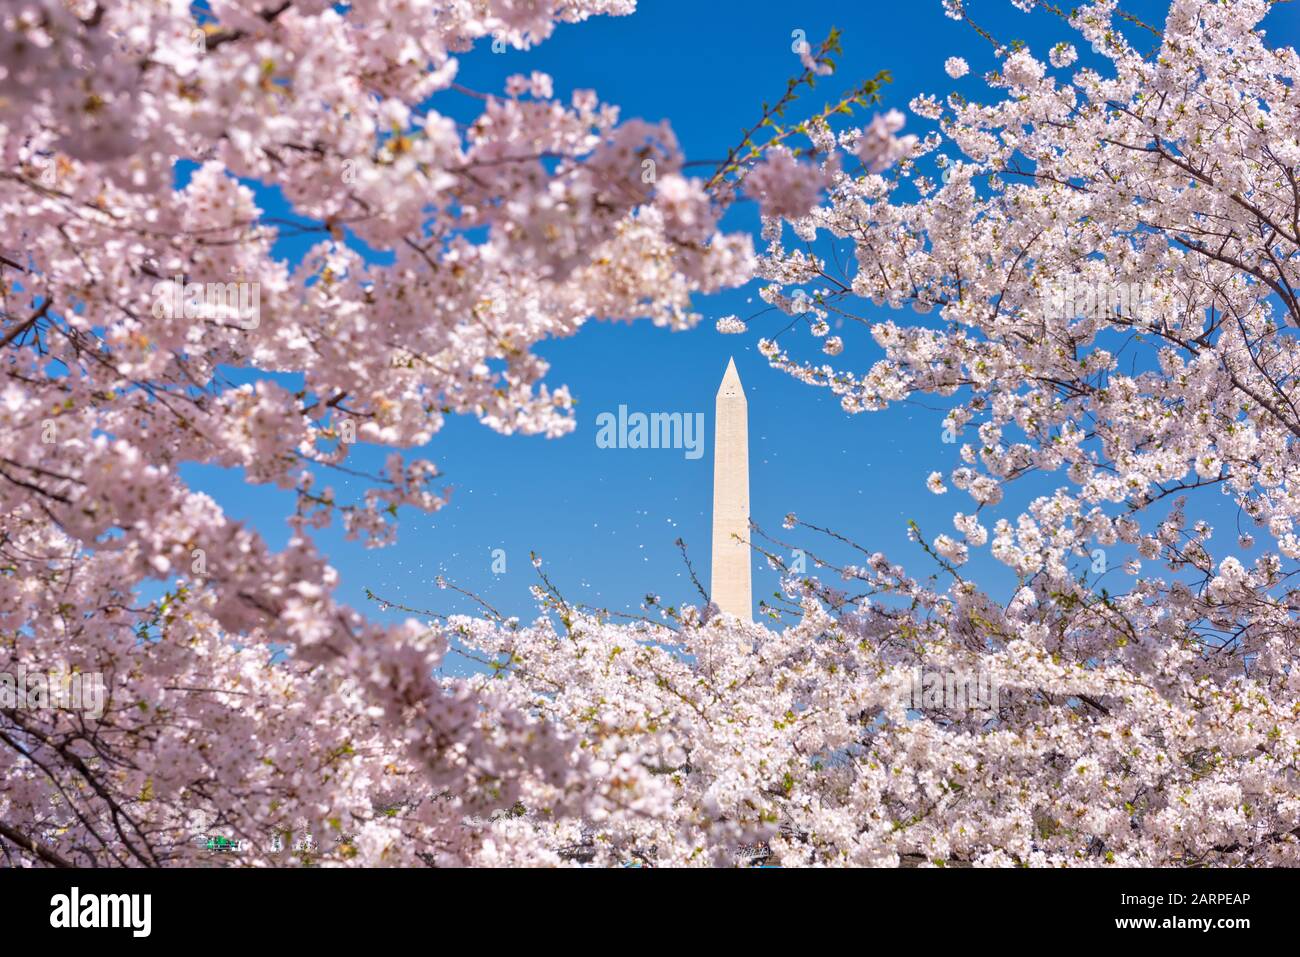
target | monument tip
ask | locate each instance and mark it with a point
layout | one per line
(731, 380)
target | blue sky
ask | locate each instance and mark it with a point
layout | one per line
(604, 521)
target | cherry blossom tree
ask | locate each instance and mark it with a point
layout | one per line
(148, 323)
(1103, 261)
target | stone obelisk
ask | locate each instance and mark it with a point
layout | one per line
(730, 587)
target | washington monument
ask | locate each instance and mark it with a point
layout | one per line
(730, 587)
